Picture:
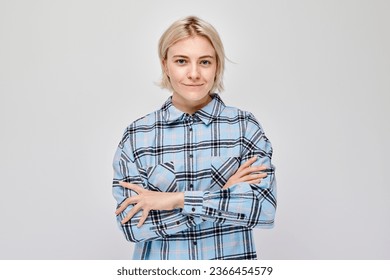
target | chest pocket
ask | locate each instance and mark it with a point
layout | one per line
(222, 168)
(161, 177)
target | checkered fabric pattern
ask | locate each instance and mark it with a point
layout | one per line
(172, 151)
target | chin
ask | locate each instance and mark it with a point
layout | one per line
(194, 93)
(195, 96)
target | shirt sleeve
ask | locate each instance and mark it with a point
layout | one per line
(243, 204)
(159, 224)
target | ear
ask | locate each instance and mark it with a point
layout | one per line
(164, 64)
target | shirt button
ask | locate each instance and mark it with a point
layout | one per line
(191, 186)
(193, 209)
(195, 243)
(178, 223)
(191, 155)
(190, 129)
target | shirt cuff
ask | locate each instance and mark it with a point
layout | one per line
(193, 203)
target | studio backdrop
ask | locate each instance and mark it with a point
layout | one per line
(74, 74)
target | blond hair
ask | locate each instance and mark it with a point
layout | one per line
(188, 27)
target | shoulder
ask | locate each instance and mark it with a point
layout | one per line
(141, 125)
(246, 119)
(145, 121)
(231, 111)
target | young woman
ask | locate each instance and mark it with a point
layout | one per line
(193, 178)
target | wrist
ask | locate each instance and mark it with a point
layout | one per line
(179, 200)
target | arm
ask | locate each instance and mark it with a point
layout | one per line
(147, 200)
(134, 212)
(157, 224)
(245, 203)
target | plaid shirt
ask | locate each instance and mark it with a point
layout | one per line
(171, 151)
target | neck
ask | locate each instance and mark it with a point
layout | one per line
(189, 106)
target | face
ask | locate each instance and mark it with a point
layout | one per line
(191, 68)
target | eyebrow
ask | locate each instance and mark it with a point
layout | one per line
(204, 56)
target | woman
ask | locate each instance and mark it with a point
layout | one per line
(193, 178)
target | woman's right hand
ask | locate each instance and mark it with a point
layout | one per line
(247, 173)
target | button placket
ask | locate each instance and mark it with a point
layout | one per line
(191, 130)
(190, 122)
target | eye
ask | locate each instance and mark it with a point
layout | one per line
(180, 61)
(205, 62)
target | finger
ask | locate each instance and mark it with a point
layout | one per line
(131, 213)
(253, 181)
(251, 177)
(257, 181)
(131, 186)
(260, 167)
(248, 163)
(127, 202)
(145, 214)
(251, 169)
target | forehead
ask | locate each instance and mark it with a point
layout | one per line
(192, 46)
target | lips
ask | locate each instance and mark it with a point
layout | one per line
(193, 85)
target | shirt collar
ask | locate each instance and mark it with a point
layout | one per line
(207, 114)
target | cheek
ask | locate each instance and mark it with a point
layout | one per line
(211, 75)
(176, 74)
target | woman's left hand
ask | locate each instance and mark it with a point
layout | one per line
(148, 200)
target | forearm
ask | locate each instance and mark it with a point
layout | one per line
(159, 223)
(242, 204)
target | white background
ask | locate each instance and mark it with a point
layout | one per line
(74, 74)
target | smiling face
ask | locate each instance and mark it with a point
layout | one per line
(191, 67)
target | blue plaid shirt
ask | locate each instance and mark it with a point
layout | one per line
(171, 151)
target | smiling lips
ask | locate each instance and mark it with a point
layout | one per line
(193, 85)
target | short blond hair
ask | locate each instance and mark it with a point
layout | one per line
(188, 27)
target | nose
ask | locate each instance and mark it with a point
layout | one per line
(193, 73)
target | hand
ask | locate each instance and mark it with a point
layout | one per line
(247, 173)
(148, 200)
